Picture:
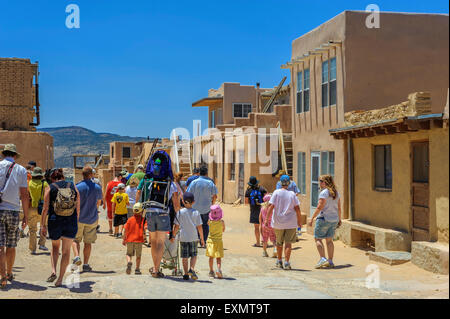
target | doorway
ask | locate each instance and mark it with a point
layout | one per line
(420, 191)
(315, 173)
(241, 176)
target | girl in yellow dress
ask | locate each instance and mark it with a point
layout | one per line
(214, 244)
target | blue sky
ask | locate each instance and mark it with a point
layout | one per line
(135, 67)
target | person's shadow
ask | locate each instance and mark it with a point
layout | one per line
(24, 286)
(82, 287)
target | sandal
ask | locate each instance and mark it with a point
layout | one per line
(129, 268)
(137, 272)
(255, 245)
(52, 278)
(10, 277)
(155, 274)
(3, 283)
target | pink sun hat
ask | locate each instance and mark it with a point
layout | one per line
(216, 212)
(267, 197)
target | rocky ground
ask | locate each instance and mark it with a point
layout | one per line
(247, 273)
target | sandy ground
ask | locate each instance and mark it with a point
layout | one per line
(247, 273)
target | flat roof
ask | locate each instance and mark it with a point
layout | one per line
(207, 101)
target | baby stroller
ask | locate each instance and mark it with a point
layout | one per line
(155, 194)
(171, 257)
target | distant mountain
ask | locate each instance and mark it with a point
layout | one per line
(78, 140)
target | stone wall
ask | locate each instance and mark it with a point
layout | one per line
(418, 103)
(17, 94)
(16, 118)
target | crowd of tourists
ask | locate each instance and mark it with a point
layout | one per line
(188, 216)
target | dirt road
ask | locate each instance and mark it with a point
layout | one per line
(248, 274)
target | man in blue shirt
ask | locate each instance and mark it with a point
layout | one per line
(205, 194)
(90, 199)
(192, 178)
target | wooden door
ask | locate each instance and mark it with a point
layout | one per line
(315, 173)
(420, 192)
(241, 176)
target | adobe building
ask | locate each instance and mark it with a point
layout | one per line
(343, 66)
(19, 112)
(400, 181)
(230, 150)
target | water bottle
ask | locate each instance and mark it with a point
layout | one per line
(299, 232)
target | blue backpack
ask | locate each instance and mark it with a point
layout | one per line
(255, 197)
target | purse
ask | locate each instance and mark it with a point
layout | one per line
(40, 206)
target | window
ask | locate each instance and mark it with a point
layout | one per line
(333, 81)
(241, 110)
(232, 166)
(383, 166)
(303, 91)
(327, 163)
(299, 92)
(306, 91)
(213, 119)
(301, 172)
(112, 151)
(126, 152)
(325, 84)
(329, 93)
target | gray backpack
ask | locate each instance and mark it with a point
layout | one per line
(65, 202)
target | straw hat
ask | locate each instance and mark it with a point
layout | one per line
(11, 148)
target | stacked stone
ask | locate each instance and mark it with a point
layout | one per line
(419, 103)
(17, 94)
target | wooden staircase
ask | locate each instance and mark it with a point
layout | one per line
(289, 154)
(286, 151)
(184, 157)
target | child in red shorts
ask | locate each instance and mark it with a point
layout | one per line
(267, 232)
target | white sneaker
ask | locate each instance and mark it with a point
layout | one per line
(287, 265)
(43, 248)
(323, 262)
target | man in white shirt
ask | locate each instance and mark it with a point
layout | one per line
(13, 190)
(285, 219)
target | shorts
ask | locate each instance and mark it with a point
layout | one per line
(86, 233)
(324, 229)
(268, 234)
(120, 220)
(134, 248)
(158, 222)
(9, 228)
(285, 236)
(188, 249)
(62, 226)
(254, 214)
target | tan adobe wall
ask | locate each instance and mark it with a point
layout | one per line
(37, 146)
(408, 53)
(236, 93)
(16, 118)
(393, 209)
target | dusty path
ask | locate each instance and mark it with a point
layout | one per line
(248, 274)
